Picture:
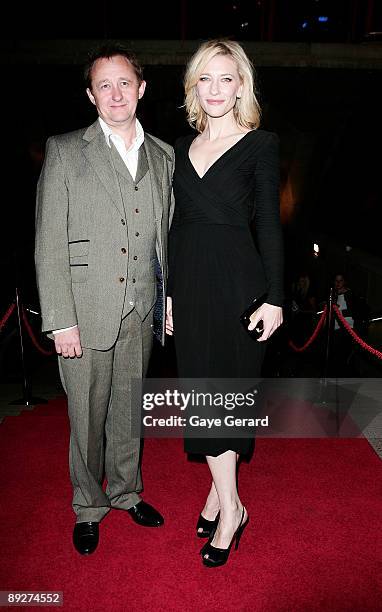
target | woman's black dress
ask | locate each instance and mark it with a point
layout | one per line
(216, 269)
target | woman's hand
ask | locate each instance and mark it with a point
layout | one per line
(169, 322)
(272, 317)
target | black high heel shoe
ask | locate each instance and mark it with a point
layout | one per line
(208, 527)
(219, 556)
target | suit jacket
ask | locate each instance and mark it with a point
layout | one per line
(80, 218)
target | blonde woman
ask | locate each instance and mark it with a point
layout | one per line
(225, 175)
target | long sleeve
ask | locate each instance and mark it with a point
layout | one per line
(172, 252)
(52, 251)
(267, 218)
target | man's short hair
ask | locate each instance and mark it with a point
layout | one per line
(107, 51)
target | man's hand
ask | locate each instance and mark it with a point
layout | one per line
(68, 343)
(272, 317)
(169, 321)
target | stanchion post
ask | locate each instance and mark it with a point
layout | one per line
(27, 399)
(329, 336)
(329, 331)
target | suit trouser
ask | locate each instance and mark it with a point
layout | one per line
(98, 386)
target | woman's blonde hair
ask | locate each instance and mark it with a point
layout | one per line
(247, 108)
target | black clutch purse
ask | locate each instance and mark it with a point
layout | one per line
(245, 317)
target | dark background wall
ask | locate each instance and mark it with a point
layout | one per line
(320, 89)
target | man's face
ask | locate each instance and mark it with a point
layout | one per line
(115, 90)
(339, 282)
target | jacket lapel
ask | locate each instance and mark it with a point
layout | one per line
(98, 155)
(143, 166)
(155, 161)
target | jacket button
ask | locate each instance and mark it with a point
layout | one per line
(121, 279)
(123, 250)
(137, 233)
(135, 258)
(133, 280)
(137, 210)
(136, 187)
(123, 221)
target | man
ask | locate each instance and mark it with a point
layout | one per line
(101, 228)
(344, 353)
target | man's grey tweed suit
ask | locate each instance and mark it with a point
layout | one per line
(100, 236)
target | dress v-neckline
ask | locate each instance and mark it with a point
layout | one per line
(216, 160)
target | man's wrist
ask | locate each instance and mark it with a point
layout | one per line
(58, 331)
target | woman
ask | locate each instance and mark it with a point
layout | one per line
(224, 176)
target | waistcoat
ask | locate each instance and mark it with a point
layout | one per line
(136, 195)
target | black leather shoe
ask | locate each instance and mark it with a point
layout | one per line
(146, 515)
(85, 537)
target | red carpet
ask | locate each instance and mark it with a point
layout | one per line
(313, 541)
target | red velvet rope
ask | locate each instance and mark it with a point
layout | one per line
(341, 319)
(6, 316)
(298, 349)
(319, 326)
(33, 337)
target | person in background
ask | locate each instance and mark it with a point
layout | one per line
(303, 306)
(355, 311)
(303, 296)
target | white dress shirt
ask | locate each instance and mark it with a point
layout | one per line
(129, 157)
(341, 303)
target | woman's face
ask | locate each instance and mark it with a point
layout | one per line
(218, 86)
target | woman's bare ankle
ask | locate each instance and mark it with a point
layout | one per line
(211, 507)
